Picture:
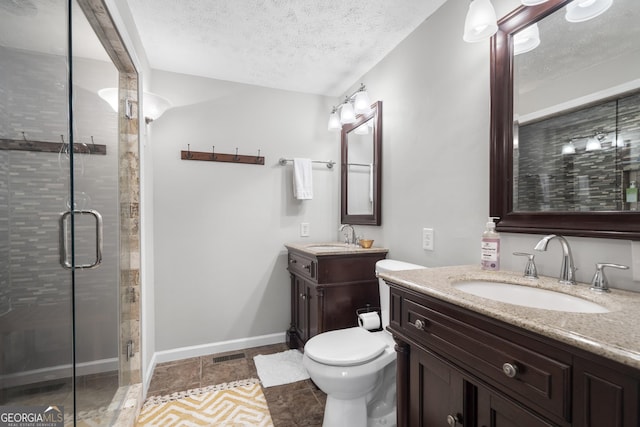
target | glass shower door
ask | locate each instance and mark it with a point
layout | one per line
(59, 320)
(96, 226)
(36, 294)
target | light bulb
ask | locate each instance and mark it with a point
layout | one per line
(347, 115)
(362, 103)
(526, 40)
(334, 121)
(569, 148)
(583, 10)
(593, 144)
(480, 23)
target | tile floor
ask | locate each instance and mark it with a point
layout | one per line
(93, 395)
(291, 405)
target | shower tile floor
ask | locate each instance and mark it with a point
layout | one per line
(291, 405)
(94, 393)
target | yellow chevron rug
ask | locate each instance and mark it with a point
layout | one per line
(234, 404)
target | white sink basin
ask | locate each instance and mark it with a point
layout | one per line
(329, 246)
(529, 297)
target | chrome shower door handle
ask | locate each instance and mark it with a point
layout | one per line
(64, 259)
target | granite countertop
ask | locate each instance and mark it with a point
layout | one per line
(332, 248)
(614, 335)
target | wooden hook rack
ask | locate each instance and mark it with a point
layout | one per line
(212, 156)
(51, 147)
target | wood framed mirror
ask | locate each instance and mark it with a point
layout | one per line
(361, 160)
(564, 191)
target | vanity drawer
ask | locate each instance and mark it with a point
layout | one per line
(532, 375)
(303, 266)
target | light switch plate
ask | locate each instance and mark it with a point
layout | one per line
(427, 239)
(304, 229)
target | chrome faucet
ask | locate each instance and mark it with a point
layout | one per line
(567, 270)
(349, 239)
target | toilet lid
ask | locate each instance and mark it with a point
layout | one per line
(344, 347)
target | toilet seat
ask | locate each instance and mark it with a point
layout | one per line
(345, 347)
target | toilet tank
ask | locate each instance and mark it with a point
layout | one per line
(388, 266)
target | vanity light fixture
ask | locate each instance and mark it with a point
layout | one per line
(583, 10)
(334, 120)
(154, 105)
(481, 22)
(526, 40)
(347, 113)
(569, 148)
(593, 144)
(356, 103)
(363, 129)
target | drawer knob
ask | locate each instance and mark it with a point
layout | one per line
(510, 369)
(307, 267)
(303, 296)
(419, 324)
(453, 420)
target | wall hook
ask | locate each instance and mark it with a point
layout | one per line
(213, 156)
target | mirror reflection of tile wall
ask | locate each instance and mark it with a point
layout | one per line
(547, 177)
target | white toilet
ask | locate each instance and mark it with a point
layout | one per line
(357, 368)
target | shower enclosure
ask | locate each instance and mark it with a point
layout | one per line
(69, 254)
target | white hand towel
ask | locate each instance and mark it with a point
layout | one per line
(302, 179)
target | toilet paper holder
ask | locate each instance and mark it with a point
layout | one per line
(370, 309)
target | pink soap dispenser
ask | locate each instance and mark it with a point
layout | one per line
(490, 248)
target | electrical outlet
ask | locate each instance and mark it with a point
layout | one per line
(427, 239)
(304, 229)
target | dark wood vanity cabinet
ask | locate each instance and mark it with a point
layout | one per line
(326, 291)
(459, 368)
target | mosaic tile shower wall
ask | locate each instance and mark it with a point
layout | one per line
(546, 179)
(34, 191)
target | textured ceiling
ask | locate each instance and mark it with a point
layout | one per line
(312, 46)
(566, 48)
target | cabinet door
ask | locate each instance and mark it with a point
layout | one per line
(604, 397)
(313, 309)
(300, 308)
(497, 411)
(435, 391)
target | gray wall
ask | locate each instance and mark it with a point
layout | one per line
(436, 154)
(219, 228)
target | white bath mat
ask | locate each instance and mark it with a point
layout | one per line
(280, 368)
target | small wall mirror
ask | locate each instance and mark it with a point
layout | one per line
(565, 120)
(361, 169)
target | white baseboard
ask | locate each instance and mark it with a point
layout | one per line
(217, 347)
(57, 372)
(206, 349)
